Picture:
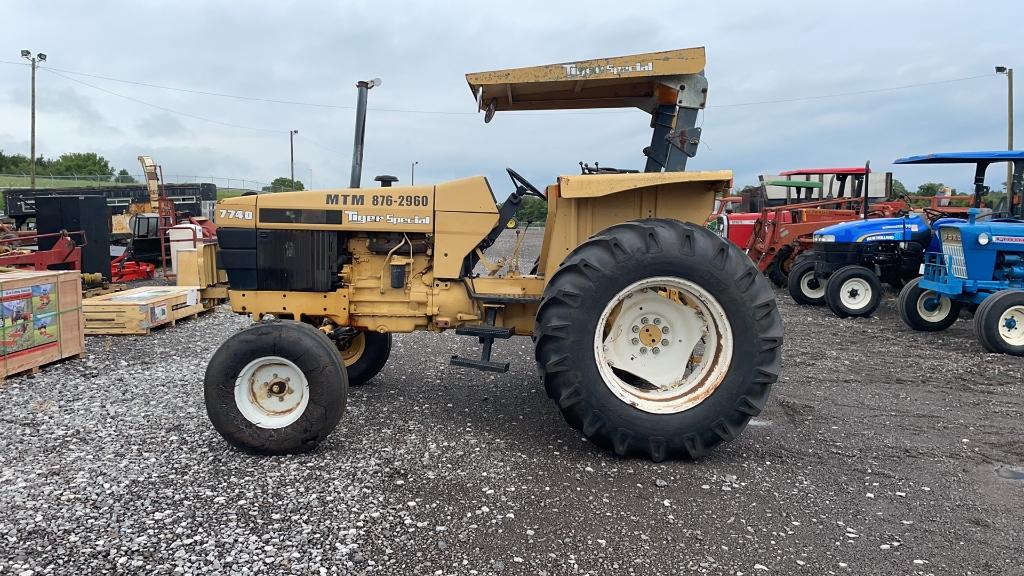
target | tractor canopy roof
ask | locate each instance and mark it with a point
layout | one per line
(825, 171)
(642, 81)
(964, 157)
(794, 183)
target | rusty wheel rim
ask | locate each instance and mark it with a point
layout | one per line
(663, 345)
(271, 392)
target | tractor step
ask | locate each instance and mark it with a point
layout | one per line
(485, 365)
(485, 331)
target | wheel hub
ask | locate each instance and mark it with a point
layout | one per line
(663, 345)
(271, 392)
(1010, 329)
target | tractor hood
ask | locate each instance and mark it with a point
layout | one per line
(875, 230)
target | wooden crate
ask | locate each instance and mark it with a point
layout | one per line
(198, 267)
(40, 319)
(139, 310)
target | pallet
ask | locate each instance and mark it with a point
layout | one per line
(36, 369)
(103, 290)
(139, 310)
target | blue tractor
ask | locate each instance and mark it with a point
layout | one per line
(979, 264)
(849, 262)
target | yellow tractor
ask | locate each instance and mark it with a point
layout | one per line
(654, 336)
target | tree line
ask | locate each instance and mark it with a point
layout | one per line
(69, 164)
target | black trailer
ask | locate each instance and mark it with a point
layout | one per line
(197, 199)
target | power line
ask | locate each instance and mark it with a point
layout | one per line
(854, 93)
(468, 113)
(163, 108)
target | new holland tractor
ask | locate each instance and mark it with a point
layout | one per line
(849, 262)
(980, 265)
(653, 336)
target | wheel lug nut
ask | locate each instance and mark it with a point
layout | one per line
(656, 350)
(657, 321)
(643, 320)
(635, 341)
(664, 341)
(664, 330)
(636, 329)
(643, 350)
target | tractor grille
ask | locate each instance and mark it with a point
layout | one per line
(953, 249)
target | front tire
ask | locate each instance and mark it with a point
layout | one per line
(804, 287)
(277, 387)
(925, 310)
(853, 291)
(999, 324)
(779, 270)
(614, 295)
(364, 356)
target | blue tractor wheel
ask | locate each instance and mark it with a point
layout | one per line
(926, 310)
(999, 325)
(853, 291)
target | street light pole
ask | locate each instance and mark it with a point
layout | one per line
(412, 175)
(40, 57)
(291, 145)
(1009, 121)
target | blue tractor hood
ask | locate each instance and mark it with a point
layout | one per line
(902, 229)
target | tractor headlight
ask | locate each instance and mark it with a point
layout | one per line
(824, 238)
(984, 238)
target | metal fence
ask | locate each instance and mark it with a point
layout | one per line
(225, 185)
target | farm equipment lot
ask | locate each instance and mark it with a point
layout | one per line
(881, 451)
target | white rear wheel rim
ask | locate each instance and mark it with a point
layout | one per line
(940, 306)
(1011, 326)
(807, 282)
(271, 392)
(663, 345)
(855, 294)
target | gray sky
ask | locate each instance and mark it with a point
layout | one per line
(315, 52)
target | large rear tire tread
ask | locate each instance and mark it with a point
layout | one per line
(312, 352)
(589, 278)
(837, 283)
(906, 305)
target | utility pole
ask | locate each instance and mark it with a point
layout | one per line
(291, 145)
(412, 175)
(40, 57)
(360, 132)
(1009, 121)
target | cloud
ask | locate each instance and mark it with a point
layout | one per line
(315, 52)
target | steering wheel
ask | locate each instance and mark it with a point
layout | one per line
(936, 214)
(523, 183)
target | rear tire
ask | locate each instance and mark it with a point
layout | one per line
(276, 388)
(616, 274)
(853, 291)
(805, 289)
(365, 356)
(924, 310)
(1000, 323)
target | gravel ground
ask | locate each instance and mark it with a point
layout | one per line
(882, 451)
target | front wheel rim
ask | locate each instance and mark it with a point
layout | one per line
(811, 286)
(933, 307)
(271, 392)
(663, 345)
(351, 353)
(855, 294)
(1011, 326)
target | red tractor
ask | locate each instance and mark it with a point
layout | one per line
(778, 223)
